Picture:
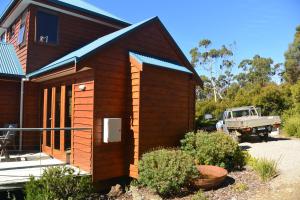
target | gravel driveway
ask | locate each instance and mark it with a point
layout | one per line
(287, 153)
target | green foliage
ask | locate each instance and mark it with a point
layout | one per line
(258, 70)
(272, 100)
(59, 183)
(240, 187)
(265, 168)
(199, 196)
(214, 149)
(166, 171)
(292, 126)
(292, 59)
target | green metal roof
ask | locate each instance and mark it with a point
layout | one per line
(10, 65)
(86, 50)
(79, 5)
(159, 62)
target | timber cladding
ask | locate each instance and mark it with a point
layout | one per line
(73, 33)
(156, 105)
(9, 102)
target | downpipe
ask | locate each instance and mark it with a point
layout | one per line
(23, 80)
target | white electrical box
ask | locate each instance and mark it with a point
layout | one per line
(112, 130)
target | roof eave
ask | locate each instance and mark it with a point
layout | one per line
(52, 68)
(90, 12)
(4, 14)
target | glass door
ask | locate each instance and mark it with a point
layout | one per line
(57, 113)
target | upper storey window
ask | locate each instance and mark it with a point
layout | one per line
(2, 38)
(22, 30)
(46, 28)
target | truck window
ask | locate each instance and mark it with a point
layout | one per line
(240, 113)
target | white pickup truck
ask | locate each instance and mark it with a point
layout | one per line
(247, 120)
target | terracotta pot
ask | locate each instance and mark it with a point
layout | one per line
(211, 176)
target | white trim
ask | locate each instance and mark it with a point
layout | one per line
(73, 14)
(25, 3)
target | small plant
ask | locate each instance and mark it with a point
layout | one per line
(292, 126)
(199, 196)
(166, 171)
(240, 187)
(59, 183)
(214, 149)
(265, 168)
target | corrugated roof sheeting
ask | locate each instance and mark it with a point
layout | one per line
(158, 62)
(9, 62)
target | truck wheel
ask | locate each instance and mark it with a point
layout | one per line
(264, 137)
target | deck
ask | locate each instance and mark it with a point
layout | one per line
(15, 173)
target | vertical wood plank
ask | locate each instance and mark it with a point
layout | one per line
(62, 117)
(45, 106)
(53, 117)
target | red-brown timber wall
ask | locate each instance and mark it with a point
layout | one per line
(113, 98)
(13, 39)
(83, 112)
(73, 33)
(166, 107)
(9, 102)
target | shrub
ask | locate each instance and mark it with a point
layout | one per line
(59, 183)
(214, 149)
(166, 171)
(265, 168)
(292, 125)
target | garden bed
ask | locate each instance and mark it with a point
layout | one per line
(239, 185)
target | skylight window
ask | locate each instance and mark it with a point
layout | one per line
(46, 28)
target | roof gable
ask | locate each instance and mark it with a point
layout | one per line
(90, 48)
(9, 62)
(83, 52)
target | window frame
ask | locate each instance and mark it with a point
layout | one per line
(36, 40)
(11, 31)
(23, 23)
(3, 37)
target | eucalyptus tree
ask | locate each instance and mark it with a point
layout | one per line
(258, 70)
(218, 62)
(292, 60)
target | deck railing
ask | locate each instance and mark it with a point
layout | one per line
(22, 163)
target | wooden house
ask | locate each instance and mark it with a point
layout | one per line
(67, 63)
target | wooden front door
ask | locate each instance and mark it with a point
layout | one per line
(56, 114)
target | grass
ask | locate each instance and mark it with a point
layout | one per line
(240, 187)
(199, 196)
(265, 168)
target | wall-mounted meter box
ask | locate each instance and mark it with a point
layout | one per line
(112, 130)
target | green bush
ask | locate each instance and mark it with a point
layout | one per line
(59, 183)
(214, 149)
(166, 171)
(265, 168)
(292, 126)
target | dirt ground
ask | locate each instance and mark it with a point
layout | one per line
(287, 153)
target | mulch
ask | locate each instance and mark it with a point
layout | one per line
(229, 189)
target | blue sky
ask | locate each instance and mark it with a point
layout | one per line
(264, 27)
